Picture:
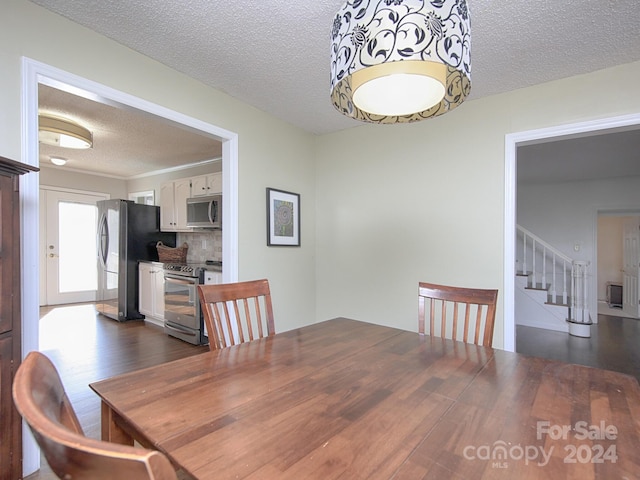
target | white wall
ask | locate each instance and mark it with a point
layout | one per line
(566, 214)
(58, 177)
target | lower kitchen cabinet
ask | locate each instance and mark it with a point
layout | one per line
(151, 293)
(212, 278)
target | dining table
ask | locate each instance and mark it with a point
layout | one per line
(347, 399)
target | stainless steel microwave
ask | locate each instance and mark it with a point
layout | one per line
(205, 212)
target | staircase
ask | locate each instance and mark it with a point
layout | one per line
(551, 288)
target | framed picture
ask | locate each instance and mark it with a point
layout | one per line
(283, 218)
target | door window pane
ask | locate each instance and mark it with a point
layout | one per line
(77, 247)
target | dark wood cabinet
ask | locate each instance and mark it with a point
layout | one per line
(10, 320)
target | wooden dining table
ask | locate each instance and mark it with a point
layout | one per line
(345, 399)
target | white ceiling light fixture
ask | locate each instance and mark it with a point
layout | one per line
(61, 132)
(399, 61)
(58, 160)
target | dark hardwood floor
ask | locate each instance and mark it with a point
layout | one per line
(86, 347)
(614, 345)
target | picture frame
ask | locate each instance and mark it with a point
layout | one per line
(283, 218)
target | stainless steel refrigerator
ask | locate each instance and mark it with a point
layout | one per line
(127, 233)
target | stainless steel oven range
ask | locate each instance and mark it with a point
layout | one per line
(182, 316)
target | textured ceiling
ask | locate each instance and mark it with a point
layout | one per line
(126, 142)
(274, 54)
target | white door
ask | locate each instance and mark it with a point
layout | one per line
(631, 267)
(68, 246)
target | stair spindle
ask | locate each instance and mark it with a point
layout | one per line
(574, 289)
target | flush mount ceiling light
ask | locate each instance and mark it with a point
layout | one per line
(63, 133)
(58, 160)
(399, 61)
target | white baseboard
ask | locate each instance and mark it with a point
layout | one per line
(154, 321)
(605, 309)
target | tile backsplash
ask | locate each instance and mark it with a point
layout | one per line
(203, 246)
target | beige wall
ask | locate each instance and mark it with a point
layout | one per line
(399, 204)
(382, 206)
(271, 153)
(610, 263)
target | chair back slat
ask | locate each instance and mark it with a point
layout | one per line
(455, 320)
(235, 312)
(464, 313)
(238, 318)
(40, 398)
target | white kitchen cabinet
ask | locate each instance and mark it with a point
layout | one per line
(151, 291)
(206, 184)
(212, 278)
(173, 205)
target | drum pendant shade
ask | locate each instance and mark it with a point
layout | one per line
(399, 61)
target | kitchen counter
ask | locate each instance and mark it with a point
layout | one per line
(209, 268)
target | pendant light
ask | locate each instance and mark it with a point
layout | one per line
(398, 61)
(61, 132)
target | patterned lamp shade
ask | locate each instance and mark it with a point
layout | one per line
(399, 61)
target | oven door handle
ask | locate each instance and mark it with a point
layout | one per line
(178, 280)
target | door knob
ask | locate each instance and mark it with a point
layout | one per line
(52, 255)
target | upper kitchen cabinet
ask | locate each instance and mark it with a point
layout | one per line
(173, 205)
(206, 185)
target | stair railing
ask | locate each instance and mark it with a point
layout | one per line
(566, 274)
(579, 306)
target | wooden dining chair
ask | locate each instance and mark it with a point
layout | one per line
(236, 312)
(457, 313)
(40, 398)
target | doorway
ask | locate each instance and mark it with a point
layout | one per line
(630, 266)
(617, 263)
(33, 73)
(512, 142)
(68, 222)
